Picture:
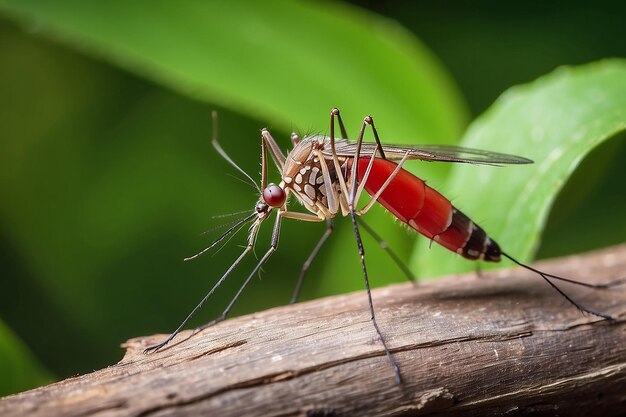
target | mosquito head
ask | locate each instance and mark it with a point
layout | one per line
(262, 209)
(273, 196)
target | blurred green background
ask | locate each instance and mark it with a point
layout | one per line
(107, 177)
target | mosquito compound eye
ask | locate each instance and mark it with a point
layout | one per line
(274, 195)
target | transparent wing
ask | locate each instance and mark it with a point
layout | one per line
(441, 153)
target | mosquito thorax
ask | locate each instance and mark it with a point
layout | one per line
(274, 196)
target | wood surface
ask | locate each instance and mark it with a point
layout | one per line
(500, 343)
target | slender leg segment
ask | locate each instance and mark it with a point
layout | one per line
(262, 261)
(335, 113)
(571, 281)
(380, 146)
(357, 235)
(344, 135)
(560, 291)
(351, 205)
(307, 263)
(277, 155)
(342, 182)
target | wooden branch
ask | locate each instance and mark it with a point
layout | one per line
(502, 342)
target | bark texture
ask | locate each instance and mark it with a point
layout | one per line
(500, 343)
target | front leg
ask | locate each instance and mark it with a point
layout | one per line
(307, 217)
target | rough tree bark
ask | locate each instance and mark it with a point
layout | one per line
(499, 343)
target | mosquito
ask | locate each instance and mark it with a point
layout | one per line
(327, 175)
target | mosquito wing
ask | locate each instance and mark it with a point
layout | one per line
(441, 153)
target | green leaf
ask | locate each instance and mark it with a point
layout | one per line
(19, 369)
(555, 121)
(288, 63)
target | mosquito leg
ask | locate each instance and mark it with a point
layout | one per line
(351, 193)
(262, 261)
(405, 269)
(277, 155)
(359, 242)
(342, 128)
(366, 175)
(344, 134)
(571, 281)
(332, 196)
(603, 286)
(158, 346)
(342, 181)
(380, 146)
(560, 291)
(355, 162)
(307, 263)
(578, 306)
(394, 365)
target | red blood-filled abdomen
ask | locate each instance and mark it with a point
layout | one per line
(426, 210)
(405, 194)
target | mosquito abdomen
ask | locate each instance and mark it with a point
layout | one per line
(427, 211)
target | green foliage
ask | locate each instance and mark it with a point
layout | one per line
(20, 370)
(288, 63)
(107, 176)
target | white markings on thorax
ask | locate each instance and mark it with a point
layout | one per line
(303, 172)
